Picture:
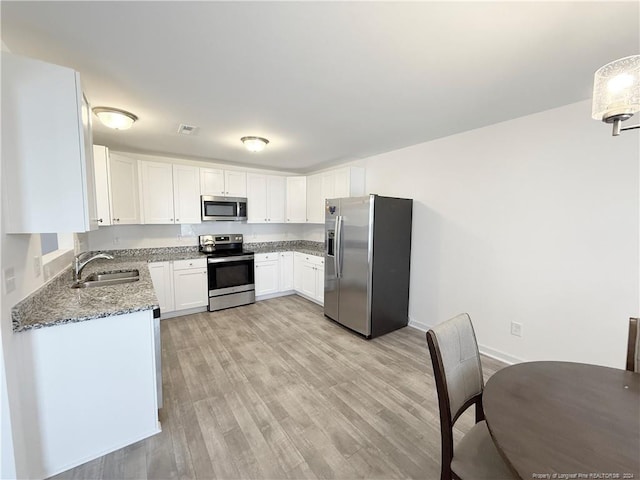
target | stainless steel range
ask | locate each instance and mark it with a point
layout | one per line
(230, 271)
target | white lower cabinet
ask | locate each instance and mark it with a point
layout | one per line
(286, 271)
(309, 276)
(190, 283)
(266, 273)
(162, 278)
(180, 285)
(273, 273)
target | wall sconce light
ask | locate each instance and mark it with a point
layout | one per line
(115, 118)
(254, 144)
(616, 92)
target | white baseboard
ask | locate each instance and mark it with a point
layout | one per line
(274, 295)
(488, 351)
(180, 313)
(423, 327)
(498, 355)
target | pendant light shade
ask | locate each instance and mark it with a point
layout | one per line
(115, 118)
(254, 144)
(616, 91)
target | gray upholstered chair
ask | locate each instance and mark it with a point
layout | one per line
(633, 346)
(458, 375)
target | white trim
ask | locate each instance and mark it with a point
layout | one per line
(498, 355)
(275, 295)
(423, 327)
(487, 351)
(181, 313)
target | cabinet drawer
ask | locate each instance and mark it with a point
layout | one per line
(192, 263)
(263, 257)
(314, 260)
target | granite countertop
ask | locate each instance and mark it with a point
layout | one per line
(56, 303)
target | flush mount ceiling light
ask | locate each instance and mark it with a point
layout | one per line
(254, 144)
(115, 118)
(616, 92)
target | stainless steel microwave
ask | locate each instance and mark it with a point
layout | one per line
(223, 208)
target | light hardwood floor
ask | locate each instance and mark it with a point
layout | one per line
(275, 390)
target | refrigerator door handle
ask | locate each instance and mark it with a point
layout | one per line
(339, 246)
(336, 247)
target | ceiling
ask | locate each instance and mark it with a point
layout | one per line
(325, 82)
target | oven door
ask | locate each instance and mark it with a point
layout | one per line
(223, 208)
(230, 275)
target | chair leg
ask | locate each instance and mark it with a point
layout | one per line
(479, 411)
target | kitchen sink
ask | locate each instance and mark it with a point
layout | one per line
(104, 279)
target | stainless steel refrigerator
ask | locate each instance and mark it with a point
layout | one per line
(367, 263)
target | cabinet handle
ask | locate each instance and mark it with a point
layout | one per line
(265, 219)
(99, 220)
(177, 219)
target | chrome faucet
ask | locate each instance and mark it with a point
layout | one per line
(78, 266)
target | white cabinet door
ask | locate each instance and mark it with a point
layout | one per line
(319, 296)
(276, 197)
(212, 182)
(91, 206)
(298, 262)
(186, 194)
(296, 199)
(156, 186)
(103, 194)
(315, 200)
(266, 276)
(162, 278)
(309, 279)
(286, 271)
(190, 288)
(123, 179)
(257, 198)
(45, 164)
(235, 183)
(348, 182)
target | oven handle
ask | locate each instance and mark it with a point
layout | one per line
(230, 259)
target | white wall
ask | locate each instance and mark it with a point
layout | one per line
(534, 220)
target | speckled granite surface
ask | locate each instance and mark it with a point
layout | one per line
(302, 246)
(56, 303)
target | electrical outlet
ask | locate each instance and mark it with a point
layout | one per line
(37, 265)
(516, 329)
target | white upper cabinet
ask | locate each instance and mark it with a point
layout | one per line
(265, 198)
(212, 182)
(103, 193)
(47, 157)
(296, 199)
(186, 194)
(169, 193)
(123, 179)
(235, 183)
(343, 182)
(156, 191)
(223, 183)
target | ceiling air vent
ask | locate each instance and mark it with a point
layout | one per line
(187, 129)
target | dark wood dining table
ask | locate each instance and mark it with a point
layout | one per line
(565, 420)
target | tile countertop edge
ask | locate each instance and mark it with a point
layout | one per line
(39, 304)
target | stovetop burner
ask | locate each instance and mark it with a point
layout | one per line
(217, 246)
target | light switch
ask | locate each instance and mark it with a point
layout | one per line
(9, 280)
